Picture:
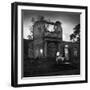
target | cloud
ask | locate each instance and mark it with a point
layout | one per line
(68, 20)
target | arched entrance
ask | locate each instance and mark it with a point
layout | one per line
(51, 49)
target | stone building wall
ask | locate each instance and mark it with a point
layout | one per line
(38, 31)
(47, 44)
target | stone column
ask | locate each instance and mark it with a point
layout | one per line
(45, 49)
(59, 47)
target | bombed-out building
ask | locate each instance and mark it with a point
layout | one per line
(50, 44)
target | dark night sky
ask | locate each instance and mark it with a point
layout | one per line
(68, 20)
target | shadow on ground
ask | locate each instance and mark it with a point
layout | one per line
(49, 67)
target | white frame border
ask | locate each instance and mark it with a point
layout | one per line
(47, 79)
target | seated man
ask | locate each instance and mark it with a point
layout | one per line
(59, 58)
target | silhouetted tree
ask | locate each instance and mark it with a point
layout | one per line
(40, 18)
(29, 37)
(72, 37)
(75, 36)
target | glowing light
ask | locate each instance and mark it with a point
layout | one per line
(41, 51)
(58, 53)
(66, 46)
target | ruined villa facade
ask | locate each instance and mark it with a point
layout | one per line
(47, 44)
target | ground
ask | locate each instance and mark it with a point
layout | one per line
(48, 67)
